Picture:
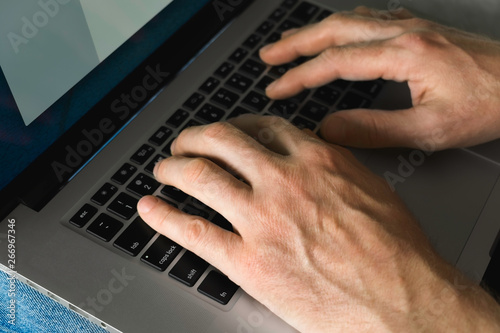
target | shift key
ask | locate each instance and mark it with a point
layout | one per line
(189, 269)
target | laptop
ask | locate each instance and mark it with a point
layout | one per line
(92, 95)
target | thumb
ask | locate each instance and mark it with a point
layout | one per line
(363, 128)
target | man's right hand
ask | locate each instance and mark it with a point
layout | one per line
(454, 77)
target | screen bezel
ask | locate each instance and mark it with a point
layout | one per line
(38, 183)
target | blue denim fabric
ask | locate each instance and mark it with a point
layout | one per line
(38, 313)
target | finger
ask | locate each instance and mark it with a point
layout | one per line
(379, 59)
(222, 143)
(205, 181)
(275, 133)
(210, 242)
(398, 13)
(339, 29)
(376, 128)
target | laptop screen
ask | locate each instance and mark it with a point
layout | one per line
(58, 58)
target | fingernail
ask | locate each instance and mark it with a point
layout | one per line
(157, 168)
(272, 85)
(146, 204)
(172, 146)
(266, 47)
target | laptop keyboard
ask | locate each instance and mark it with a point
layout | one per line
(236, 87)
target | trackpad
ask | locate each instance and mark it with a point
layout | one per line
(446, 191)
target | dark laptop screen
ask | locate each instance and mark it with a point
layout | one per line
(58, 58)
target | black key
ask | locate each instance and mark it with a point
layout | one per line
(278, 71)
(340, 84)
(218, 287)
(256, 101)
(174, 193)
(278, 14)
(224, 70)
(264, 82)
(314, 111)
(160, 136)
(289, 3)
(221, 221)
(252, 41)
(105, 227)
(239, 82)
(124, 206)
(209, 85)
(253, 68)
(283, 108)
(168, 202)
(191, 210)
(327, 95)
(104, 194)
(238, 111)
(150, 167)
(210, 113)
(161, 253)
(194, 101)
(123, 175)
(323, 15)
(192, 123)
(238, 55)
(178, 118)
(189, 269)
(302, 123)
(166, 149)
(305, 12)
(143, 185)
(287, 25)
(225, 98)
(300, 97)
(370, 88)
(274, 37)
(83, 216)
(135, 237)
(143, 154)
(265, 28)
(353, 101)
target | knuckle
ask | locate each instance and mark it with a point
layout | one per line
(195, 169)
(194, 232)
(217, 131)
(418, 41)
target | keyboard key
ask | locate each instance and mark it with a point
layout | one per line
(209, 85)
(263, 83)
(353, 101)
(300, 97)
(327, 95)
(370, 88)
(278, 14)
(189, 269)
(83, 216)
(305, 12)
(143, 154)
(283, 108)
(166, 149)
(225, 98)
(238, 111)
(123, 175)
(273, 38)
(105, 227)
(279, 71)
(194, 101)
(287, 25)
(160, 136)
(323, 15)
(253, 68)
(174, 193)
(123, 206)
(150, 167)
(218, 287)
(302, 123)
(238, 55)
(265, 28)
(289, 3)
(210, 113)
(256, 101)
(161, 254)
(252, 41)
(314, 111)
(340, 84)
(178, 118)
(168, 202)
(143, 185)
(239, 83)
(224, 70)
(104, 194)
(135, 237)
(191, 210)
(221, 221)
(191, 123)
